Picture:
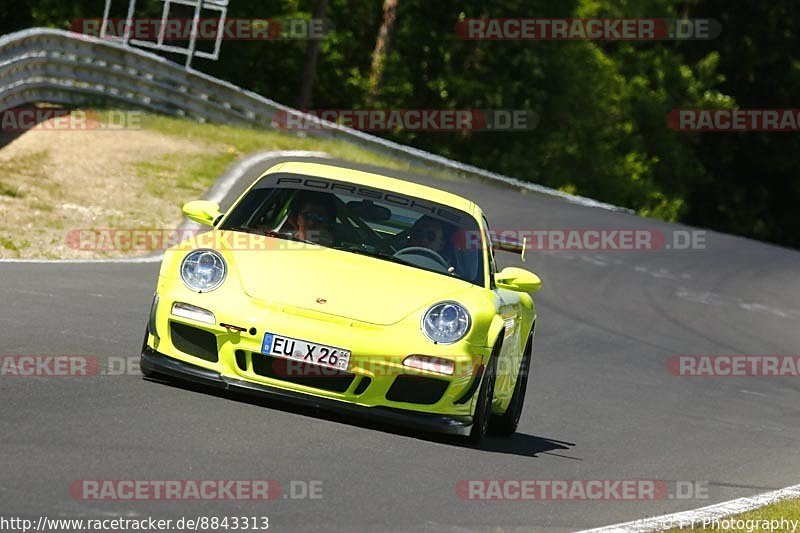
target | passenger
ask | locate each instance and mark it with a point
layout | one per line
(313, 216)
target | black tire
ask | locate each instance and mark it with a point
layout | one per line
(483, 410)
(507, 423)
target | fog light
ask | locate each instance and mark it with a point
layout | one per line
(431, 364)
(193, 312)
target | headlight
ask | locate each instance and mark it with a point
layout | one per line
(203, 270)
(446, 322)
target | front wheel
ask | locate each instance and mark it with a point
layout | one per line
(507, 423)
(483, 410)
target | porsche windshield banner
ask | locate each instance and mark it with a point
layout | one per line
(389, 198)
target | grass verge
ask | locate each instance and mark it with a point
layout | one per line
(54, 183)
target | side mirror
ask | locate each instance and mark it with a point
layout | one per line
(202, 211)
(518, 279)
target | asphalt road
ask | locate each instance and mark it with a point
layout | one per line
(601, 404)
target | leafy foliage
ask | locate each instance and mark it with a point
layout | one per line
(602, 105)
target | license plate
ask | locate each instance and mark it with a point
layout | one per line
(304, 351)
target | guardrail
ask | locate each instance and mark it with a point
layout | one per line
(47, 65)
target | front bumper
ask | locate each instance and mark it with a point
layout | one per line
(375, 377)
(153, 361)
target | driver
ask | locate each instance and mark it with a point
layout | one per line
(428, 233)
(313, 215)
(432, 234)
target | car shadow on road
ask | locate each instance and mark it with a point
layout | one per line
(520, 444)
(527, 446)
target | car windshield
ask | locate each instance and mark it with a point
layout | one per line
(363, 220)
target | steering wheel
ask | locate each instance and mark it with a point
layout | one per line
(421, 250)
(365, 232)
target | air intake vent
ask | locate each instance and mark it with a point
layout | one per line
(362, 386)
(194, 341)
(241, 360)
(417, 389)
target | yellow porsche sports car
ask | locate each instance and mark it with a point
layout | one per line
(350, 291)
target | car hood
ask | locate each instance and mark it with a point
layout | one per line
(339, 283)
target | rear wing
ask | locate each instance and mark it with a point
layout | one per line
(508, 244)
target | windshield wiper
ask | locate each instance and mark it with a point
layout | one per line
(377, 255)
(393, 259)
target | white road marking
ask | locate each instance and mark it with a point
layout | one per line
(221, 189)
(712, 298)
(697, 516)
(752, 392)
